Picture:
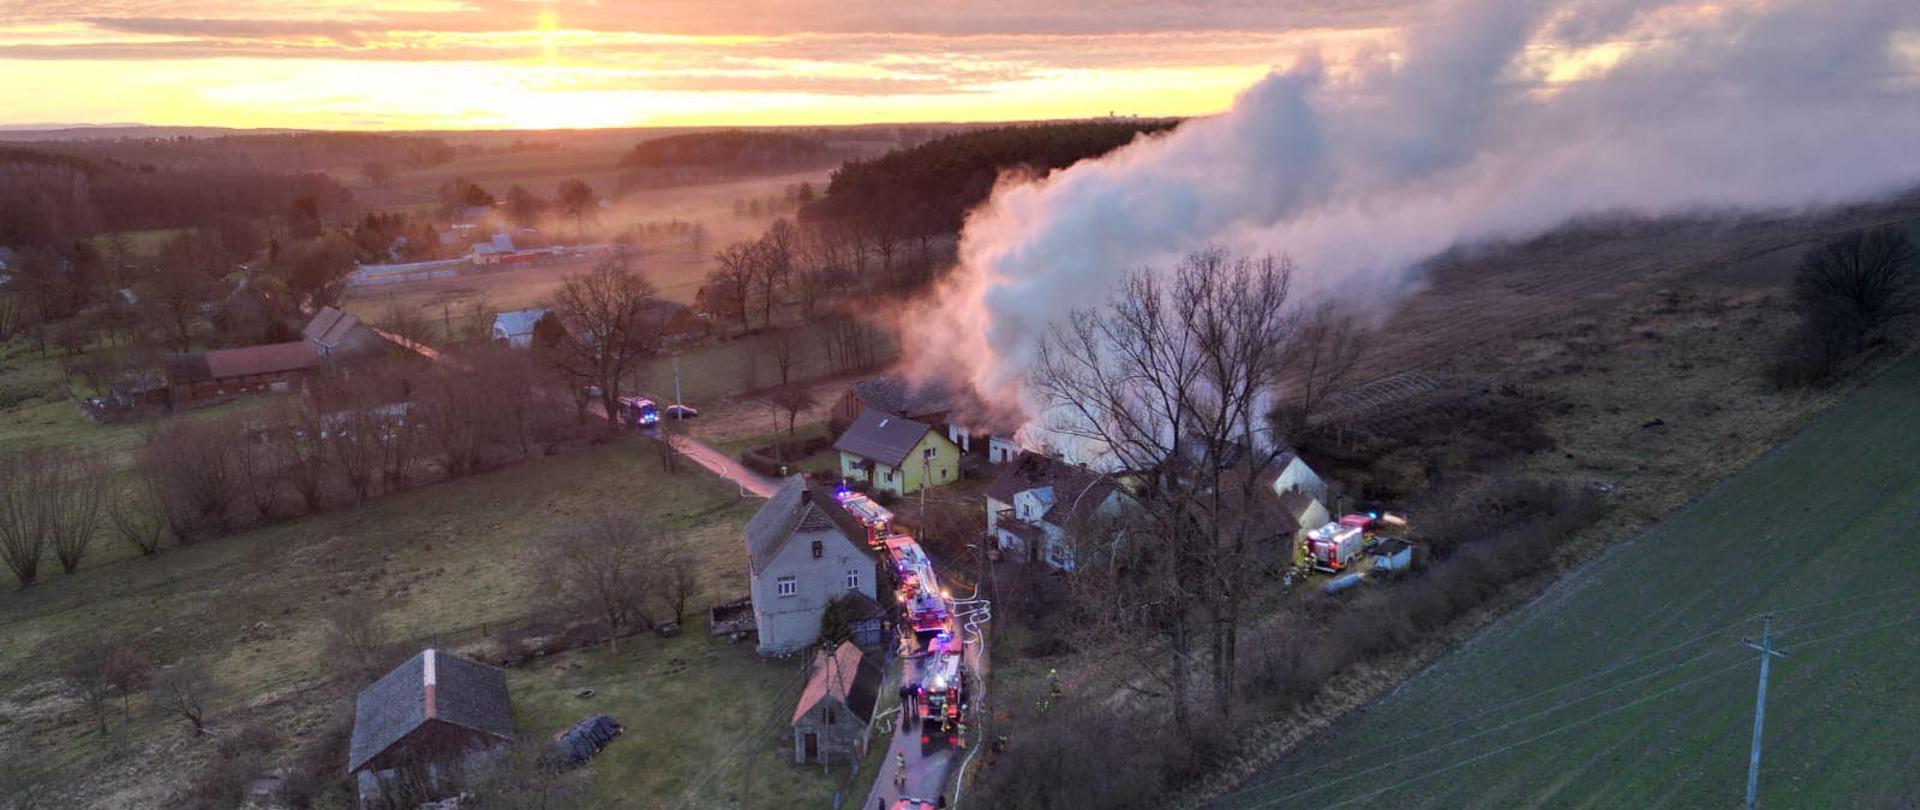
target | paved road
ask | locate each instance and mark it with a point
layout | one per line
(725, 466)
(700, 452)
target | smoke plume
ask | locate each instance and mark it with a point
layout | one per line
(1492, 119)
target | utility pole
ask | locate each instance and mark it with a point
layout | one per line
(1767, 652)
(677, 412)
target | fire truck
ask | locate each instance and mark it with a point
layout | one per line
(1333, 547)
(941, 698)
(878, 519)
(639, 411)
(919, 593)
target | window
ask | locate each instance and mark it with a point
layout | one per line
(819, 550)
(889, 475)
(943, 473)
(787, 586)
(927, 454)
(853, 579)
(830, 715)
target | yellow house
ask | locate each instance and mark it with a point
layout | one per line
(896, 454)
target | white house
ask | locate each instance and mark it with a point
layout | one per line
(1037, 498)
(803, 550)
(515, 326)
(1294, 475)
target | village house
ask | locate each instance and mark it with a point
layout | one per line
(423, 724)
(833, 721)
(337, 335)
(514, 327)
(803, 550)
(1037, 498)
(221, 373)
(679, 324)
(1291, 474)
(930, 401)
(896, 454)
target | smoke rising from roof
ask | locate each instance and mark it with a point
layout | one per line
(1495, 119)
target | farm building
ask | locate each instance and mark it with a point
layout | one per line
(803, 551)
(1037, 497)
(515, 326)
(931, 401)
(421, 724)
(679, 323)
(336, 334)
(1302, 512)
(224, 373)
(833, 721)
(896, 454)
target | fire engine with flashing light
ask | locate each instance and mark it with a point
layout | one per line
(940, 698)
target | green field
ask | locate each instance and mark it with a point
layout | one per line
(1626, 684)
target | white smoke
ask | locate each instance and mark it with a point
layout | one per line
(1495, 119)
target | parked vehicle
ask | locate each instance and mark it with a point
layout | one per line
(678, 411)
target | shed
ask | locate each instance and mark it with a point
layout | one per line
(435, 707)
(1392, 556)
(515, 326)
(833, 720)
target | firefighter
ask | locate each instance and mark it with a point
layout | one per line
(961, 725)
(1053, 684)
(899, 771)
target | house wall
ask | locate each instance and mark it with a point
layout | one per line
(1297, 475)
(993, 512)
(790, 623)
(942, 470)
(944, 467)
(842, 741)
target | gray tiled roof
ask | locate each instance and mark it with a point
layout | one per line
(899, 396)
(466, 693)
(792, 508)
(882, 437)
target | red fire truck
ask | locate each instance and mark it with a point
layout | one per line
(941, 698)
(878, 519)
(1331, 548)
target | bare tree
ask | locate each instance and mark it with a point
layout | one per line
(85, 673)
(603, 566)
(138, 517)
(1858, 288)
(357, 640)
(407, 323)
(679, 585)
(127, 671)
(76, 492)
(188, 690)
(610, 328)
(1321, 359)
(256, 466)
(192, 463)
(730, 282)
(24, 509)
(299, 451)
(1174, 382)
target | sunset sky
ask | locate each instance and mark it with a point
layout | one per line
(354, 64)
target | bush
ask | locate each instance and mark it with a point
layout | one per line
(1853, 292)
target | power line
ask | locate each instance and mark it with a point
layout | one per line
(1716, 631)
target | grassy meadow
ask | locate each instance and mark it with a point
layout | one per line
(451, 564)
